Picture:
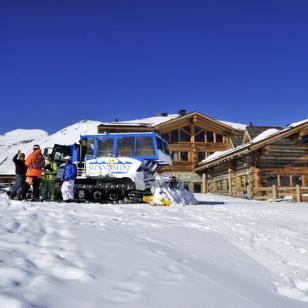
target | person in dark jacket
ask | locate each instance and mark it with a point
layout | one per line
(68, 178)
(20, 174)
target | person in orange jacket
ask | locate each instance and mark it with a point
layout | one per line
(35, 163)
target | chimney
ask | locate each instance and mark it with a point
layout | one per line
(116, 120)
(162, 114)
(250, 124)
(182, 112)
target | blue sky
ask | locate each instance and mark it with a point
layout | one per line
(63, 61)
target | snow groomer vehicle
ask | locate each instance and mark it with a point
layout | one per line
(118, 167)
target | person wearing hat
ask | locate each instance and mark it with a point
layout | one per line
(68, 178)
(35, 163)
(20, 174)
(49, 179)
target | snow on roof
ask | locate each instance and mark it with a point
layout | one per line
(152, 121)
(266, 134)
(238, 126)
(297, 123)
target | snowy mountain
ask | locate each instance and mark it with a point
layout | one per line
(22, 139)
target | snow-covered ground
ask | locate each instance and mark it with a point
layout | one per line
(225, 252)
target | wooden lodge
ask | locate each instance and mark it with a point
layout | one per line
(191, 137)
(269, 164)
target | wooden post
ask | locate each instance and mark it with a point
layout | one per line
(191, 187)
(274, 193)
(230, 181)
(203, 183)
(278, 180)
(298, 193)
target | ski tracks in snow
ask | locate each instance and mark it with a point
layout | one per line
(37, 252)
(275, 235)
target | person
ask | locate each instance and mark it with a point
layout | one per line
(49, 179)
(20, 174)
(35, 163)
(68, 178)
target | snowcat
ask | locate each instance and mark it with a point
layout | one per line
(118, 167)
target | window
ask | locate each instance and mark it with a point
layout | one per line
(297, 180)
(165, 136)
(126, 146)
(219, 138)
(105, 147)
(175, 156)
(184, 156)
(200, 137)
(145, 146)
(174, 135)
(201, 156)
(271, 180)
(197, 187)
(199, 134)
(284, 180)
(209, 136)
(185, 134)
(90, 146)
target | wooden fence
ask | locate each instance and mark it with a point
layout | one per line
(276, 193)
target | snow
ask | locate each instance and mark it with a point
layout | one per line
(24, 140)
(238, 126)
(267, 133)
(225, 250)
(151, 121)
(297, 123)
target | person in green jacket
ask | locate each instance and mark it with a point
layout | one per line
(49, 179)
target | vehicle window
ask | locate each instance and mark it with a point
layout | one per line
(145, 146)
(105, 147)
(90, 146)
(126, 146)
(60, 152)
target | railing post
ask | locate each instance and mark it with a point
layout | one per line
(274, 192)
(203, 183)
(298, 193)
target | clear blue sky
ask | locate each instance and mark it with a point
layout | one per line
(63, 61)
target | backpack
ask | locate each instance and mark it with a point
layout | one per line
(38, 161)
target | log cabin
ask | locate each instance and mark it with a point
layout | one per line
(192, 137)
(273, 159)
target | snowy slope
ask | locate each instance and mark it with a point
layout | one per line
(24, 140)
(223, 253)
